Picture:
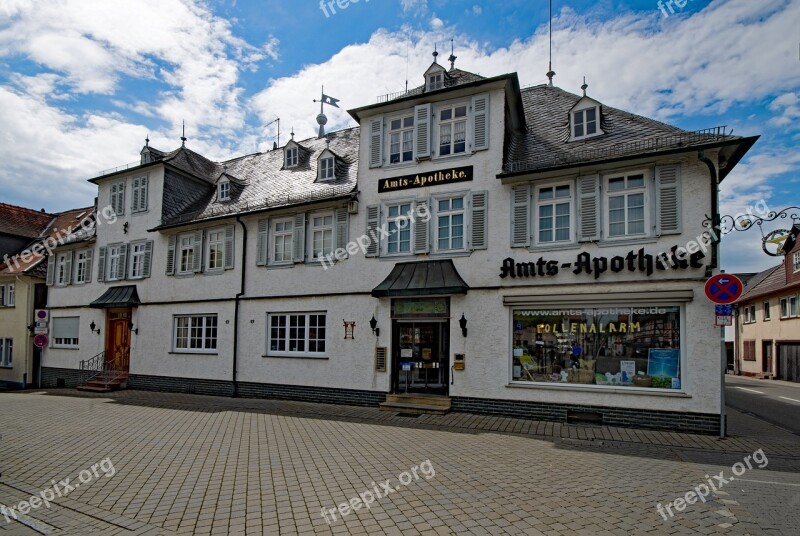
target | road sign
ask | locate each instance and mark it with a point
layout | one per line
(42, 315)
(41, 330)
(40, 341)
(723, 310)
(723, 321)
(724, 288)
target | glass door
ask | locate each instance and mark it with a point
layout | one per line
(420, 358)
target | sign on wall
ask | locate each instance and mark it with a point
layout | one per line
(421, 180)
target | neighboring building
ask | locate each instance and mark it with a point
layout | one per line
(19, 226)
(768, 321)
(22, 291)
(495, 249)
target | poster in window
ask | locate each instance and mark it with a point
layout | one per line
(663, 365)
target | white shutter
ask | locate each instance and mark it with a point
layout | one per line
(376, 142)
(51, 270)
(228, 260)
(68, 267)
(342, 221)
(171, 255)
(374, 236)
(480, 122)
(122, 267)
(479, 221)
(589, 208)
(113, 198)
(421, 236)
(668, 200)
(147, 259)
(422, 131)
(143, 193)
(262, 242)
(101, 264)
(135, 195)
(120, 208)
(197, 247)
(299, 238)
(520, 216)
(88, 270)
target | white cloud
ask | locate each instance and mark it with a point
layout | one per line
(788, 106)
(436, 23)
(416, 7)
(477, 10)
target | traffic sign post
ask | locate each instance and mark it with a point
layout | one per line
(40, 341)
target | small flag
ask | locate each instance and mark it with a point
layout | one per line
(330, 100)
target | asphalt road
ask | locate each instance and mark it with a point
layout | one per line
(776, 402)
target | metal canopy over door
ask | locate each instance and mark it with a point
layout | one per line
(789, 361)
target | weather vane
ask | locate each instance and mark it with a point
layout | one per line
(322, 119)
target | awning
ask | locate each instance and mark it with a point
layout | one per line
(425, 278)
(125, 296)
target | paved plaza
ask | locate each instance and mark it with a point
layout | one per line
(156, 463)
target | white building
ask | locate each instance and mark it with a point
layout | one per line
(505, 241)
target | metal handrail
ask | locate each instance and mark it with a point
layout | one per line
(103, 369)
(93, 366)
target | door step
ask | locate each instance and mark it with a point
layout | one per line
(417, 404)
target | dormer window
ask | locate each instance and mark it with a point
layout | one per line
(145, 157)
(585, 119)
(435, 81)
(224, 191)
(326, 167)
(291, 157)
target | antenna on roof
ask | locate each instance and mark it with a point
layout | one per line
(550, 72)
(585, 86)
(183, 135)
(452, 59)
(435, 54)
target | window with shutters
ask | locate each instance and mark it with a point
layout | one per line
(401, 139)
(215, 250)
(626, 205)
(554, 214)
(452, 129)
(62, 269)
(82, 267)
(282, 241)
(137, 261)
(139, 194)
(320, 236)
(113, 262)
(65, 332)
(450, 223)
(117, 200)
(749, 350)
(6, 352)
(185, 254)
(400, 222)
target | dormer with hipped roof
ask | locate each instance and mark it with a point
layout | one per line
(292, 152)
(434, 77)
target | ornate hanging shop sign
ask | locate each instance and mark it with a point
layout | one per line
(421, 180)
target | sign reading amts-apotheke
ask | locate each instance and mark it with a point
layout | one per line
(421, 180)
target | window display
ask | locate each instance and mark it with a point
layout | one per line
(614, 346)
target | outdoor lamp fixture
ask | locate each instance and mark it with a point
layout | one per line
(130, 328)
(463, 323)
(92, 326)
(374, 325)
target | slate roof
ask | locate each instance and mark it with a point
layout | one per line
(22, 222)
(767, 282)
(264, 183)
(193, 163)
(546, 143)
(452, 78)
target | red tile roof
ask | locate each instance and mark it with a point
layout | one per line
(21, 221)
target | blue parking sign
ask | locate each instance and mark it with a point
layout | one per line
(724, 310)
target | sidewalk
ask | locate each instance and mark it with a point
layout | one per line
(746, 433)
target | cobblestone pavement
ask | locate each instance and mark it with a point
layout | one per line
(186, 464)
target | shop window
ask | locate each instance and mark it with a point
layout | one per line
(296, 334)
(195, 334)
(749, 350)
(616, 346)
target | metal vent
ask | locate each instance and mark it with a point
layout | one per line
(380, 359)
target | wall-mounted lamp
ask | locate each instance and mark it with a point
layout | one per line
(374, 325)
(130, 328)
(125, 228)
(463, 323)
(92, 326)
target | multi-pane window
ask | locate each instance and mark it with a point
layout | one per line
(291, 157)
(584, 123)
(117, 200)
(321, 235)
(326, 169)
(626, 199)
(62, 269)
(224, 191)
(215, 253)
(554, 219)
(195, 333)
(399, 227)
(749, 314)
(401, 140)
(113, 262)
(450, 223)
(185, 254)
(137, 261)
(7, 292)
(65, 331)
(452, 130)
(6, 352)
(81, 267)
(435, 81)
(784, 307)
(282, 241)
(296, 334)
(796, 261)
(767, 313)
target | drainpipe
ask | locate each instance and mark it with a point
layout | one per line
(236, 305)
(715, 216)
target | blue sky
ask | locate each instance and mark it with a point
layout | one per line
(82, 82)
